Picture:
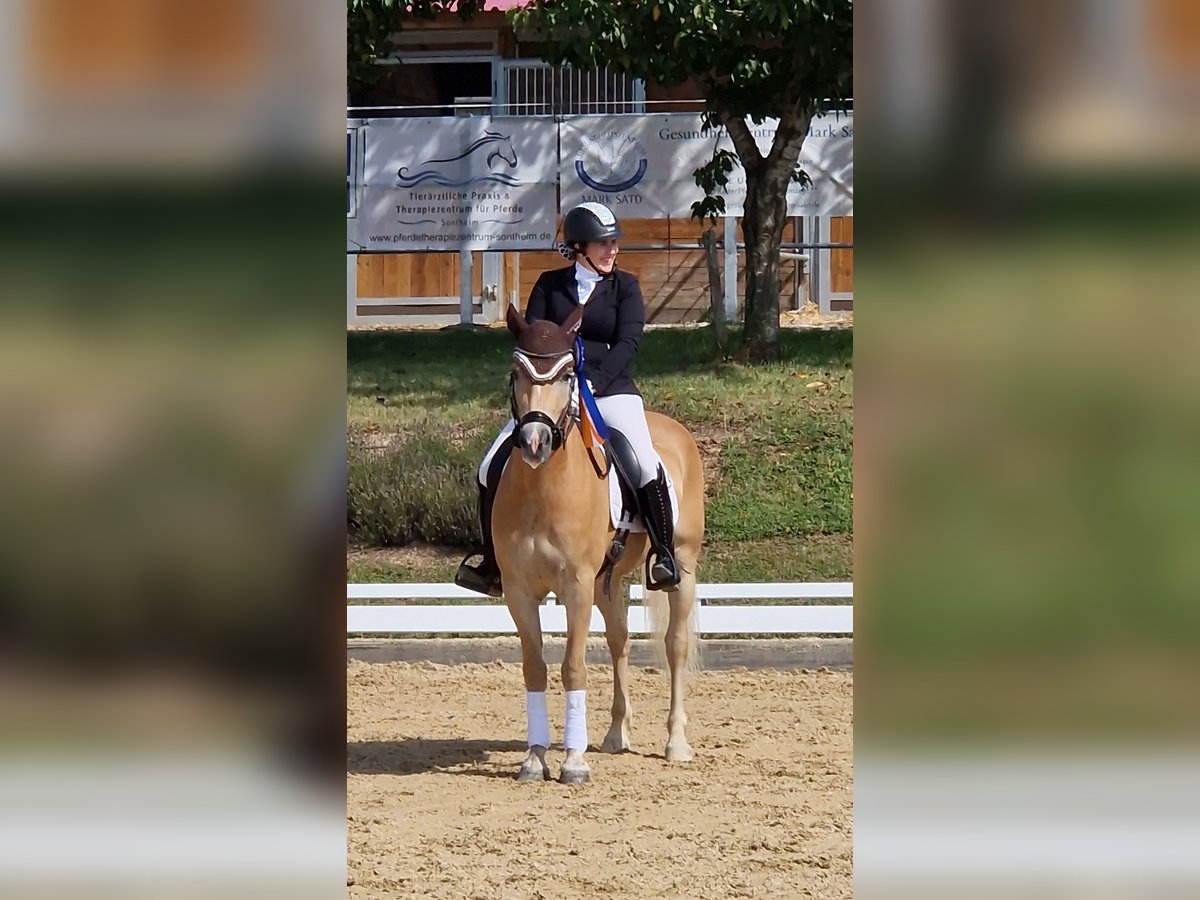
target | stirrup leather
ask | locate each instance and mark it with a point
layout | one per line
(485, 577)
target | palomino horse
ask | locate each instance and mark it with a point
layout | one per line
(552, 530)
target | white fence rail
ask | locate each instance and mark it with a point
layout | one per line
(495, 619)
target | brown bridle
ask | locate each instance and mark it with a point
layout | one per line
(560, 429)
(544, 351)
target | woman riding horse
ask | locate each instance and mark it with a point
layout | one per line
(552, 531)
(613, 320)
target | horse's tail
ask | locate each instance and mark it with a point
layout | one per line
(658, 609)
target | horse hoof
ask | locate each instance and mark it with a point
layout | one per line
(574, 776)
(679, 753)
(534, 767)
(615, 744)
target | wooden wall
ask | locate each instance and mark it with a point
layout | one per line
(841, 262)
(674, 282)
(414, 275)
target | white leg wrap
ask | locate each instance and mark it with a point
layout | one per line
(537, 731)
(575, 732)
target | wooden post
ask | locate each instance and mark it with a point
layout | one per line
(464, 288)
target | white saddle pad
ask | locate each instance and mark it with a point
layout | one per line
(634, 524)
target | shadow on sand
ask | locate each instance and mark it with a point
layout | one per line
(416, 755)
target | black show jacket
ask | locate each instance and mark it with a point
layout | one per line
(613, 320)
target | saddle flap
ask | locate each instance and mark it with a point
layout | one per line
(624, 461)
(624, 511)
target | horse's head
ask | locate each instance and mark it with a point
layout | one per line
(502, 149)
(542, 382)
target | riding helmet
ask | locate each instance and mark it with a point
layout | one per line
(590, 222)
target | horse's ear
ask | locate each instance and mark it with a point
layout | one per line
(516, 321)
(570, 325)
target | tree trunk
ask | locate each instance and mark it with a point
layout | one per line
(763, 220)
(762, 226)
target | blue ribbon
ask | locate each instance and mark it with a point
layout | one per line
(585, 393)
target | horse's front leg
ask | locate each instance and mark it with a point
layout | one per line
(524, 611)
(616, 630)
(577, 599)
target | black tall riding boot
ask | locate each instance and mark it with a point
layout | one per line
(662, 573)
(485, 577)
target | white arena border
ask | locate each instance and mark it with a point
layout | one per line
(495, 619)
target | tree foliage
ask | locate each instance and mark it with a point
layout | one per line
(756, 59)
(756, 56)
(369, 22)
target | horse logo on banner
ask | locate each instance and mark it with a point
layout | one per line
(496, 148)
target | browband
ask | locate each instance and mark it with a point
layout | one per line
(564, 360)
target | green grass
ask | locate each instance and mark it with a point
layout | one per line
(424, 405)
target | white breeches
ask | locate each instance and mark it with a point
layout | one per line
(623, 412)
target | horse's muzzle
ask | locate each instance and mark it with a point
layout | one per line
(536, 442)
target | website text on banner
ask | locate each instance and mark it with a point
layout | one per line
(642, 165)
(450, 184)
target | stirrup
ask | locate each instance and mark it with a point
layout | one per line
(479, 578)
(662, 574)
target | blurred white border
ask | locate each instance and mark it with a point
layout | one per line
(186, 821)
(1108, 825)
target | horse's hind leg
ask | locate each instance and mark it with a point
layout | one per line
(524, 611)
(616, 629)
(681, 636)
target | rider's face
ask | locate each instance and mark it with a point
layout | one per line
(602, 253)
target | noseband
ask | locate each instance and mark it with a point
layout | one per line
(560, 429)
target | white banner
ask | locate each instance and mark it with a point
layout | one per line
(642, 166)
(472, 183)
